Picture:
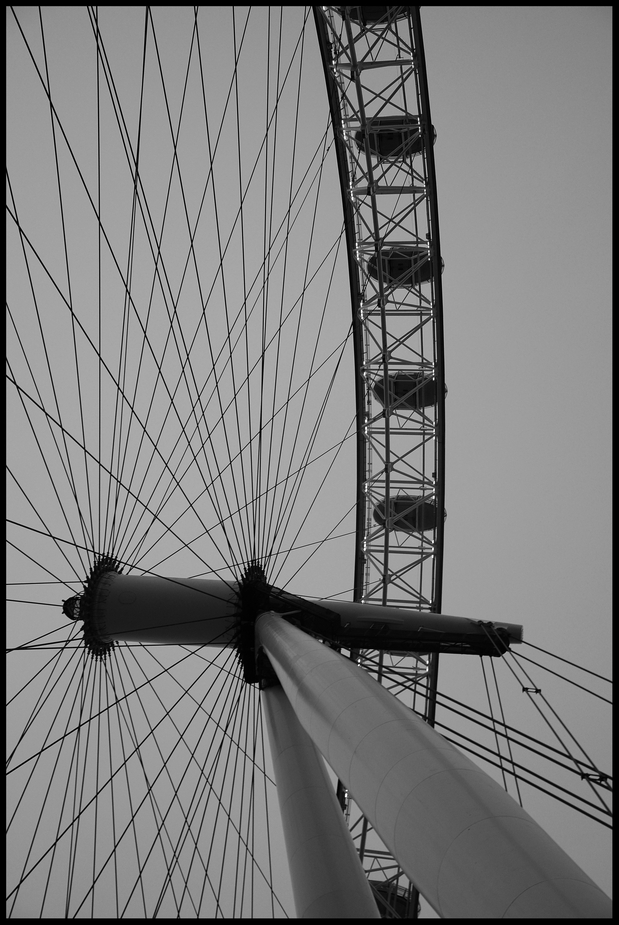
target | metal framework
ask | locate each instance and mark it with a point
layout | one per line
(379, 103)
(375, 72)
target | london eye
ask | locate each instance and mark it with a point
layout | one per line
(226, 405)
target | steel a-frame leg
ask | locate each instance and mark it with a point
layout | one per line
(328, 880)
(471, 850)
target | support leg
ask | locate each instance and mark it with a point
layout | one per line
(469, 847)
(328, 880)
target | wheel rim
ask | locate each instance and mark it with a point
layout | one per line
(91, 686)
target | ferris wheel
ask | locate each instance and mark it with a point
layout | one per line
(227, 410)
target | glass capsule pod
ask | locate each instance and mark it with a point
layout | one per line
(368, 15)
(406, 265)
(406, 391)
(391, 897)
(408, 514)
(392, 136)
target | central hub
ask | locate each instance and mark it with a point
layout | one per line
(257, 596)
(82, 607)
(254, 599)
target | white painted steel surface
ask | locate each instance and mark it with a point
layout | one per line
(470, 849)
(168, 611)
(328, 880)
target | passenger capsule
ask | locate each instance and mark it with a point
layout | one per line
(367, 15)
(406, 391)
(408, 513)
(402, 266)
(392, 136)
(395, 897)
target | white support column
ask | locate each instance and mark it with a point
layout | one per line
(470, 849)
(328, 880)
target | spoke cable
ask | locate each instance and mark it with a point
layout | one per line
(94, 208)
(78, 376)
(567, 662)
(492, 720)
(171, 405)
(587, 690)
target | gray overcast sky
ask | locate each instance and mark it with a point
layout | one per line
(521, 100)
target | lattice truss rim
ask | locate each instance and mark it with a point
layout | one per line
(375, 67)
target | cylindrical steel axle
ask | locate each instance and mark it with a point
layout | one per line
(170, 611)
(151, 609)
(469, 848)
